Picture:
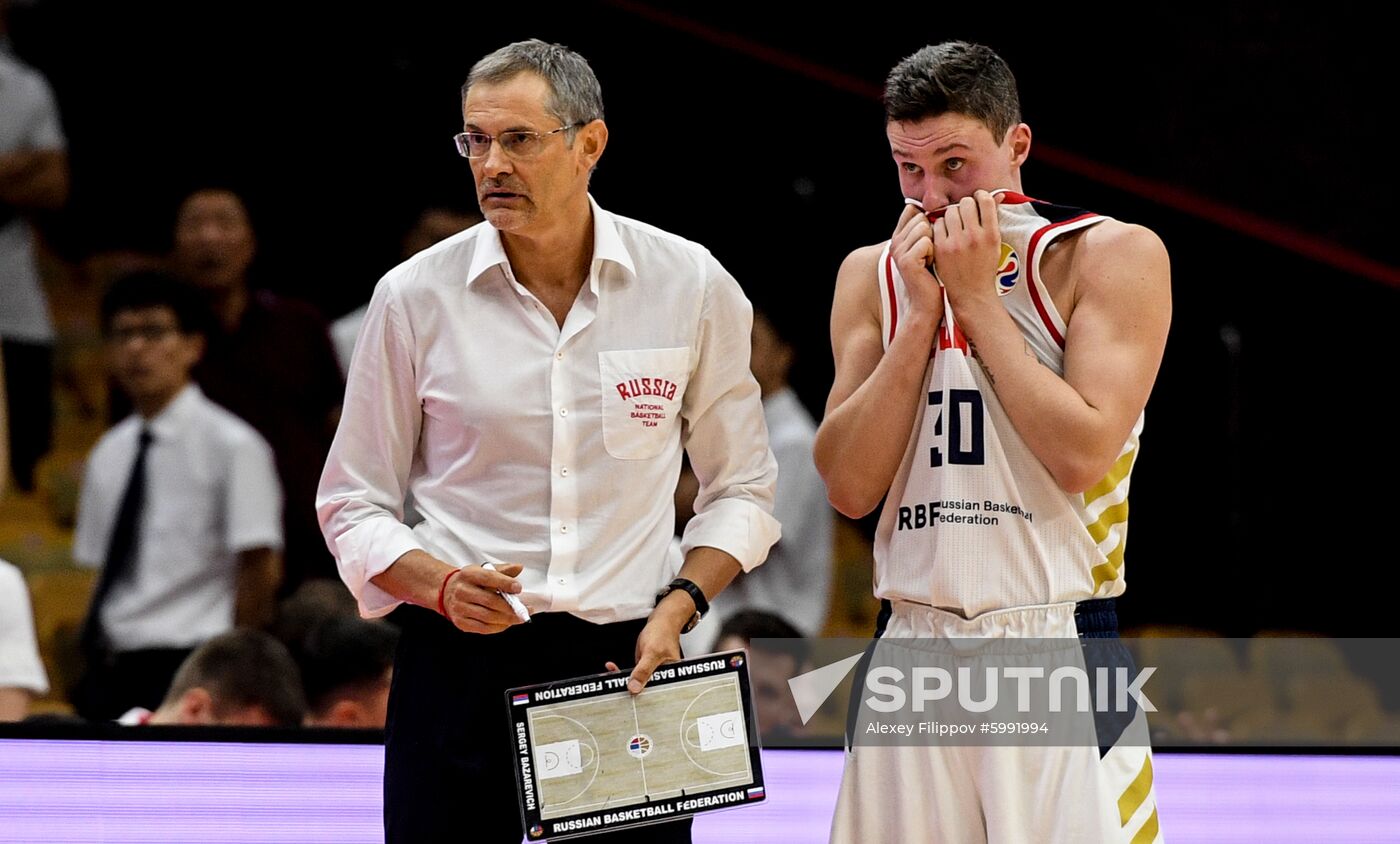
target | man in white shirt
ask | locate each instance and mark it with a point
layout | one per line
(180, 508)
(795, 584)
(531, 383)
(33, 179)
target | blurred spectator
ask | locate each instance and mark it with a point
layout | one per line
(346, 667)
(180, 507)
(33, 177)
(432, 226)
(22, 675)
(777, 653)
(796, 579)
(4, 426)
(312, 603)
(244, 678)
(269, 360)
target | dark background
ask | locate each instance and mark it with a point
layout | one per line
(1263, 498)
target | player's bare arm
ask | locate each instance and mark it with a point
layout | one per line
(1121, 282)
(875, 395)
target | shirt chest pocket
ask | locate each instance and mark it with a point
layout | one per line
(641, 393)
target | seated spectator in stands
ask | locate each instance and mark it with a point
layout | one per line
(180, 508)
(244, 678)
(433, 225)
(22, 676)
(777, 653)
(346, 667)
(305, 609)
(269, 360)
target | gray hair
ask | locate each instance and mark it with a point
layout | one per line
(954, 76)
(574, 94)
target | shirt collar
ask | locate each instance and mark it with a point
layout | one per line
(170, 421)
(607, 246)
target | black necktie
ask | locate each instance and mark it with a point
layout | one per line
(121, 550)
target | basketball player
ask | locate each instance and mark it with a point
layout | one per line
(994, 355)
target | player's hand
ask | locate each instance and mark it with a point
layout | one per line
(967, 246)
(472, 603)
(911, 247)
(659, 642)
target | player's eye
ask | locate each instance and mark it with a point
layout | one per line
(909, 167)
(954, 164)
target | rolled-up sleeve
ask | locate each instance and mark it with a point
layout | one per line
(726, 436)
(360, 501)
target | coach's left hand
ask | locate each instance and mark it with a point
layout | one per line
(660, 640)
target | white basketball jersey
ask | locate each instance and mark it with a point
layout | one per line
(973, 521)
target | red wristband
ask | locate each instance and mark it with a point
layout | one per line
(442, 592)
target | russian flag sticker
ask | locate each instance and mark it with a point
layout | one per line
(756, 793)
(519, 699)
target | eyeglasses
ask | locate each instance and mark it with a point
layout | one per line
(149, 333)
(519, 144)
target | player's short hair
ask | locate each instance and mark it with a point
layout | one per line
(766, 631)
(958, 77)
(574, 93)
(153, 289)
(241, 669)
(344, 657)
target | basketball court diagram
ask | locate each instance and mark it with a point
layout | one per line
(618, 749)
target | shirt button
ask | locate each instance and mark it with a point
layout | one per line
(558, 355)
(563, 528)
(563, 580)
(563, 411)
(564, 471)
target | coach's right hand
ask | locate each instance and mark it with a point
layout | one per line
(471, 602)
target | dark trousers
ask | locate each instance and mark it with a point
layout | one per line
(115, 682)
(29, 398)
(449, 767)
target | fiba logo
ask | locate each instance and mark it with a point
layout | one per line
(1008, 270)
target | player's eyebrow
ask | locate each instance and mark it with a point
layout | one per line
(946, 148)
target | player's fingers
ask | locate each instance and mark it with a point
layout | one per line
(611, 666)
(968, 212)
(952, 219)
(940, 230)
(910, 212)
(912, 240)
(987, 206)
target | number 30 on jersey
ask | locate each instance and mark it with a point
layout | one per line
(964, 440)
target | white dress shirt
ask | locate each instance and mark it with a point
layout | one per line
(28, 121)
(556, 448)
(20, 665)
(211, 492)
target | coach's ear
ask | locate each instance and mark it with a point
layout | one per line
(589, 144)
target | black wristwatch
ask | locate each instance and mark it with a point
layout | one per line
(702, 606)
